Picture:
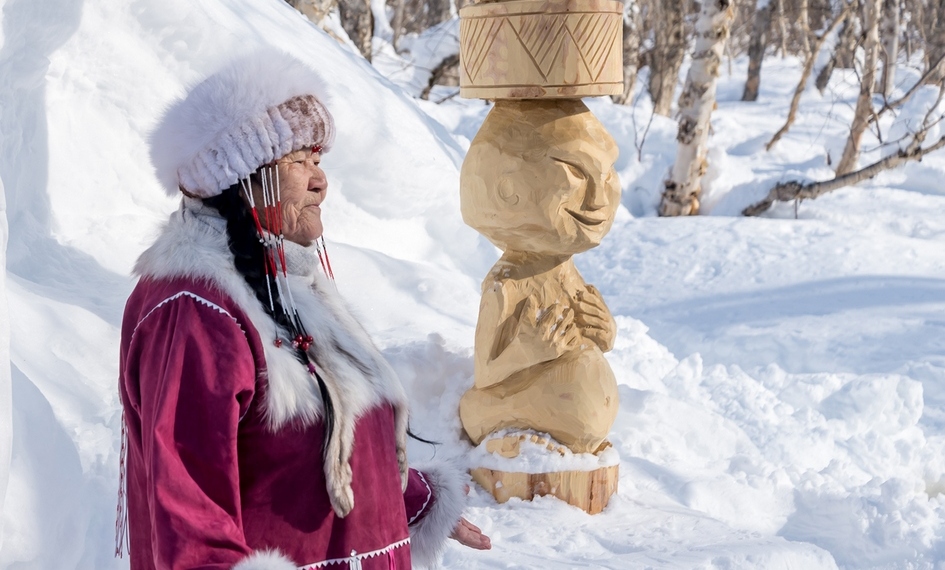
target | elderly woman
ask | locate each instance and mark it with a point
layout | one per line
(264, 429)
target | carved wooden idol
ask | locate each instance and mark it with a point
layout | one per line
(539, 182)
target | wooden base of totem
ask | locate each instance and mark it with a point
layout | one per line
(587, 490)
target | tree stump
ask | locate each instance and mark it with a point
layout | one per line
(587, 490)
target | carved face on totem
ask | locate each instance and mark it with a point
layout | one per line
(540, 177)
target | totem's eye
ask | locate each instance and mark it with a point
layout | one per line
(577, 172)
(573, 169)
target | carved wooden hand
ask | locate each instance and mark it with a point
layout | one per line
(548, 331)
(594, 318)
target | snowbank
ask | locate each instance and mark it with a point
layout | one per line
(6, 394)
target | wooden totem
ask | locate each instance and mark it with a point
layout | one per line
(539, 182)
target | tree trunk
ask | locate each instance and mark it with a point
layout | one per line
(398, 23)
(890, 51)
(756, 48)
(358, 22)
(803, 23)
(666, 57)
(782, 27)
(918, 15)
(842, 55)
(935, 42)
(805, 75)
(631, 52)
(849, 39)
(683, 188)
(449, 66)
(864, 104)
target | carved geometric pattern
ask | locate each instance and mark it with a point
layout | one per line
(592, 34)
(539, 36)
(541, 49)
(476, 36)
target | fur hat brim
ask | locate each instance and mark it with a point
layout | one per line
(256, 109)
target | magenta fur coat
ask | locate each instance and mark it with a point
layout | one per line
(224, 454)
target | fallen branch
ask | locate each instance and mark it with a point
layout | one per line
(805, 75)
(794, 190)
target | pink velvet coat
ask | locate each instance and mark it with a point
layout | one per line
(224, 466)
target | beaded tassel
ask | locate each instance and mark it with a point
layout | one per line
(273, 242)
(121, 516)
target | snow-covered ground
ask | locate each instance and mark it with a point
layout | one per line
(782, 380)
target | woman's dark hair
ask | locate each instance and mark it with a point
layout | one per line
(249, 256)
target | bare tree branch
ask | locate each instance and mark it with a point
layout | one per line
(922, 82)
(805, 75)
(795, 190)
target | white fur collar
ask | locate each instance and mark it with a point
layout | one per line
(194, 244)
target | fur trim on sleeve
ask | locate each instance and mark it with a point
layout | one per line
(265, 560)
(428, 535)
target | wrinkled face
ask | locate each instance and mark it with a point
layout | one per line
(303, 187)
(545, 184)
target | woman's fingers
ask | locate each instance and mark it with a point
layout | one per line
(469, 535)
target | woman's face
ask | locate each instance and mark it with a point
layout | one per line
(303, 187)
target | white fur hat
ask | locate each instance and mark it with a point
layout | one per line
(255, 110)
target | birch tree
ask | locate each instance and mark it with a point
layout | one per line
(803, 22)
(843, 52)
(669, 50)
(683, 188)
(756, 48)
(358, 23)
(863, 113)
(890, 52)
(782, 26)
(912, 148)
(631, 51)
(935, 39)
(805, 75)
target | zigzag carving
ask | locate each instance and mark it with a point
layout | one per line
(476, 37)
(592, 33)
(544, 39)
(539, 36)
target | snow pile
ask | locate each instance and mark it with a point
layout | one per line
(782, 381)
(532, 455)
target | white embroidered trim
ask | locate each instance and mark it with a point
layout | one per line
(354, 561)
(194, 296)
(425, 503)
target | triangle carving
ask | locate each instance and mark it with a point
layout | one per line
(539, 36)
(477, 36)
(593, 35)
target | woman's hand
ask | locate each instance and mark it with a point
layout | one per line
(468, 534)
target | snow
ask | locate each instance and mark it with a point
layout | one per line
(533, 456)
(782, 380)
(6, 395)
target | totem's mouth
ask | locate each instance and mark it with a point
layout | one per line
(584, 219)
